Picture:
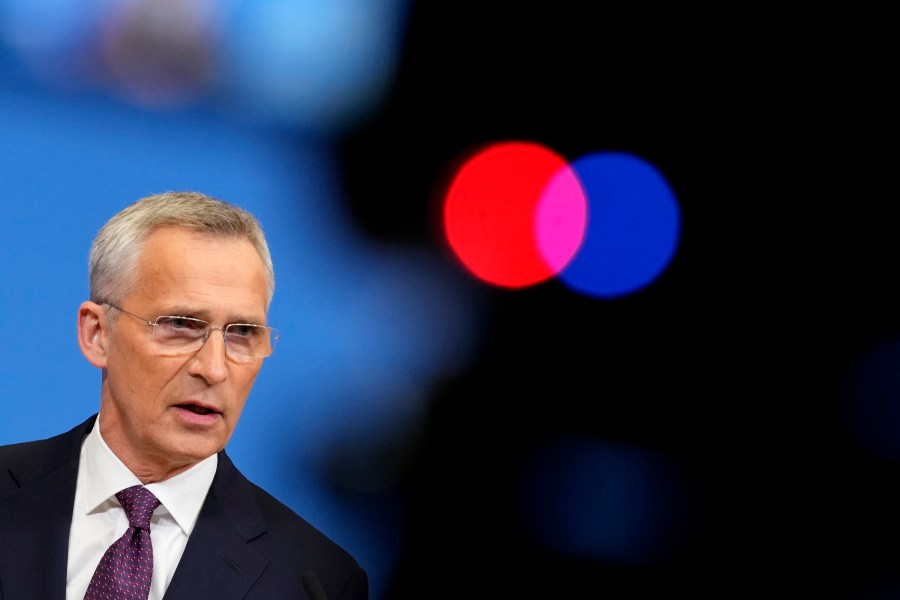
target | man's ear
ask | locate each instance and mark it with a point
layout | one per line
(93, 333)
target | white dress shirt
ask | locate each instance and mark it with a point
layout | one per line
(98, 519)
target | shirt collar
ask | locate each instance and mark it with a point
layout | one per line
(181, 496)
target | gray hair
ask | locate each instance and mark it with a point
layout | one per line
(114, 254)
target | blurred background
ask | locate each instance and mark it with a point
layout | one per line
(574, 302)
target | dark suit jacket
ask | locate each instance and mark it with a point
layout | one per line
(246, 544)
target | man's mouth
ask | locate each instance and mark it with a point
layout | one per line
(197, 409)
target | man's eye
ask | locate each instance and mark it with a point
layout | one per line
(181, 324)
(243, 330)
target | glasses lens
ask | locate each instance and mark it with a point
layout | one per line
(180, 333)
(243, 340)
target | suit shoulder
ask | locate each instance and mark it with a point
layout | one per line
(284, 520)
(13, 452)
(291, 544)
(22, 462)
(333, 564)
(244, 497)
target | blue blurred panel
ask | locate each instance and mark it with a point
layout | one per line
(318, 66)
(314, 67)
(50, 37)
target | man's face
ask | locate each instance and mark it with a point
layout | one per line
(161, 414)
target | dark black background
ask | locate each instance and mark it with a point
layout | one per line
(767, 127)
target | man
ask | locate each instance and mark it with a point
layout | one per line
(180, 286)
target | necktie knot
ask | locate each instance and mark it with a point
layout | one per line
(139, 504)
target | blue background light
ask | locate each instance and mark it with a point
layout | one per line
(593, 498)
(633, 227)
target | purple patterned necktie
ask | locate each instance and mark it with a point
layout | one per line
(125, 570)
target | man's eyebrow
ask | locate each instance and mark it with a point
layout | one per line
(182, 312)
(203, 315)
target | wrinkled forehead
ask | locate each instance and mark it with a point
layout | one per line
(211, 274)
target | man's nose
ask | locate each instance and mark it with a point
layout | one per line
(209, 362)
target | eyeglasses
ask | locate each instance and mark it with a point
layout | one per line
(182, 335)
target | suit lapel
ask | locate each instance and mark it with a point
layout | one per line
(218, 563)
(35, 519)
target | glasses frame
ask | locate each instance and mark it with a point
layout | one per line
(273, 333)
